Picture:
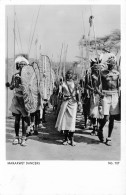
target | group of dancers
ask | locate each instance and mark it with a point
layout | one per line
(98, 94)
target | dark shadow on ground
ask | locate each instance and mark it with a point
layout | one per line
(50, 135)
(54, 138)
(87, 140)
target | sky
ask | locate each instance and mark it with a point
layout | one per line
(57, 25)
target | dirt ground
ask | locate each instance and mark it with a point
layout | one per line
(48, 144)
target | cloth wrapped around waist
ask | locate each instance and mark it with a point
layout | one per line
(68, 97)
(106, 92)
(18, 92)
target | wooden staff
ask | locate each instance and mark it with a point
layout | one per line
(14, 39)
(84, 37)
(64, 68)
(7, 71)
(94, 36)
(14, 44)
(60, 64)
(50, 87)
(95, 43)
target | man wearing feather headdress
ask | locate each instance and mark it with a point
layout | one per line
(110, 98)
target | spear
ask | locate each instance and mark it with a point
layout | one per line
(14, 37)
(64, 67)
(94, 34)
(7, 69)
(60, 64)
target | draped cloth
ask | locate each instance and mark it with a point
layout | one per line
(17, 106)
(67, 115)
(94, 106)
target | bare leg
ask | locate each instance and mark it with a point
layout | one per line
(37, 121)
(85, 119)
(94, 126)
(102, 124)
(72, 138)
(110, 129)
(17, 126)
(65, 142)
(111, 125)
(25, 121)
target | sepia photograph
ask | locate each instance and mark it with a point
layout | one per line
(63, 82)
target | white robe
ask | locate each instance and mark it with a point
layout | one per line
(67, 115)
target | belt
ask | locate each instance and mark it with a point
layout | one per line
(18, 95)
(68, 97)
(109, 92)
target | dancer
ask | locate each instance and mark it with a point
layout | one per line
(17, 107)
(110, 101)
(67, 114)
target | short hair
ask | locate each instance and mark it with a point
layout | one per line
(69, 74)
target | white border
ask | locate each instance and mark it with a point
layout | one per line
(63, 177)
